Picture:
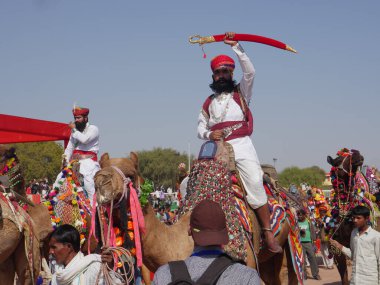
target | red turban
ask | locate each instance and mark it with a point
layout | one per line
(79, 111)
(222, 61)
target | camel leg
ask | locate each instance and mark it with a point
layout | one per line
(270, 270)
(342, 268)
(251, 260)
(287, 267)
(22, 265)
(10, 237)
(7, 272)
(145, 272)
(265, 269)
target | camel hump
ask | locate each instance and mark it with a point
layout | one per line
(105, 160)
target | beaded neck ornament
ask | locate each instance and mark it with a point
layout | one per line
(12, 170)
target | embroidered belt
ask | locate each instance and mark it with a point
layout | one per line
(82, 154)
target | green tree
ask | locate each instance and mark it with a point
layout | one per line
(161, 165)
(295, 175)
(39, 160)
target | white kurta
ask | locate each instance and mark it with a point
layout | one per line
(88, 140)
(365, 254)
(82, 270)
(223, 108)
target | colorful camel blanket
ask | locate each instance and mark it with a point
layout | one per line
(211, 179)
(67, 203)
(277, 215)
(295, 246)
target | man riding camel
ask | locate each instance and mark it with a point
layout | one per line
(225, 115)
(84, 146)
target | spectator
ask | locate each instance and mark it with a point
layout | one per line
(209, 232)
(35, 189)
(324, 219)
(364, 249)
(308, 237)
(74, 267)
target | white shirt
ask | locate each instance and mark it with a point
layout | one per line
(365, 253)
(88, 140)
(223, 108)
(82, 270)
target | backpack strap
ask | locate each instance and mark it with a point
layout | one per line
(180, 273)
(216, 268)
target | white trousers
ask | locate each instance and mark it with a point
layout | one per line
(248, 164)
(88, 169)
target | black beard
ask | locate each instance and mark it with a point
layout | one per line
(80, 126)
(223, 85)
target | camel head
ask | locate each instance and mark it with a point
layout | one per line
(109, 184)
(347, 162)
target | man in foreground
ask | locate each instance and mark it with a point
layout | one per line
(209, 232)
(73, 266)
(364, 249)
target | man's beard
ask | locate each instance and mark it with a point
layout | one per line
(223, 85)
(80, 126)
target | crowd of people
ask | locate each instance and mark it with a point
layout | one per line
(165, 203)
(224, 115)
(314, 219)
(38, 186)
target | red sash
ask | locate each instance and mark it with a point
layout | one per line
(93, 155)
(246, 128)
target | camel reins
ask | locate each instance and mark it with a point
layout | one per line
(126, 182)
(120, 254)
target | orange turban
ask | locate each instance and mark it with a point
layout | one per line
(222, 61)
(79, 111)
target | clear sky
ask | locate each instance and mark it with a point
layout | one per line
(130, 62)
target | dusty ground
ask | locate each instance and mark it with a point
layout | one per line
(329, 276)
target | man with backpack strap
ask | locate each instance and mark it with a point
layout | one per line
(208, 264)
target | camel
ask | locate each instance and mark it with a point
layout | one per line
(174, 241)
(13, 259)
(345, 171)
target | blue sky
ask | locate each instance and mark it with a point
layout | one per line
(131, 64)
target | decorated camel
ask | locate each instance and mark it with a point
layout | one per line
(350, 189)
(68, 203)
(24, 226)
(174, 242)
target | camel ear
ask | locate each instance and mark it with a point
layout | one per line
(330, 160)
(105, 160)
(135, 159)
